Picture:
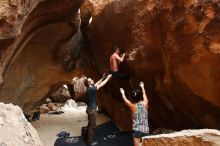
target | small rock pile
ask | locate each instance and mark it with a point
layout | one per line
(72, 106)
(69, 106)
(46, 108)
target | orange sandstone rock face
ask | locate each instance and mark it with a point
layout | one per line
(12, 17)
(173, 46)
(32, 59)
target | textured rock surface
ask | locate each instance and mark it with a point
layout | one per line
(61, 95)
(15, 129)
(173, 46)
(204, 137)
(33, 64)
(13, 14)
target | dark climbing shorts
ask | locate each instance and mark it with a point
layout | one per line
(119, 75)
(139, 134)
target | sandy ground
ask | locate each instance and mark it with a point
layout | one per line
(50, 125)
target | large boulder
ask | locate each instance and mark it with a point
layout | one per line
(203, 137)
(173, 46)
(15, 129)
